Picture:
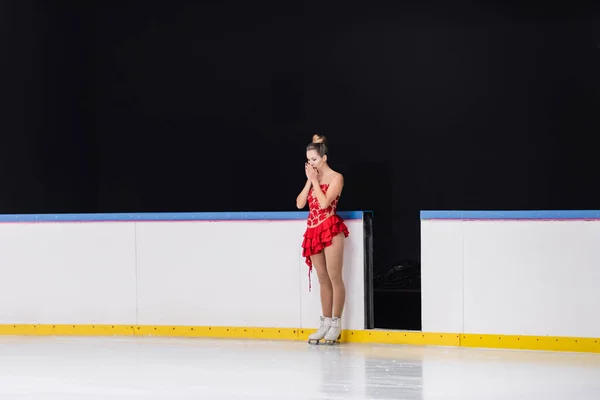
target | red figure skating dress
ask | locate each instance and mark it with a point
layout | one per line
(322, 226)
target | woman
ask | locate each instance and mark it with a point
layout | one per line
(323, 244)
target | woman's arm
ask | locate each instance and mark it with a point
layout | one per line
(301, 199)
(335, 188)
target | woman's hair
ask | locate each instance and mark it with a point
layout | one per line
(319, 144)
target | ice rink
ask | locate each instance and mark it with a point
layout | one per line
(89, 368)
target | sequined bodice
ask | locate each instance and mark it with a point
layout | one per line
(316, 214)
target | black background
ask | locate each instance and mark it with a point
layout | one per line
(136, 106)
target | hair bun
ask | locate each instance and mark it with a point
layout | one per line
(319, 143)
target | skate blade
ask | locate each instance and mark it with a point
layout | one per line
(314, 341)
(332, 342)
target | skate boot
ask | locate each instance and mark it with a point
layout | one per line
(316, 337)
(335, 331)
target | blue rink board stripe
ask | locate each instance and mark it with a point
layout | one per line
(534, 214)
(200, 216)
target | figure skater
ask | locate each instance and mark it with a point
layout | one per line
(323, 244)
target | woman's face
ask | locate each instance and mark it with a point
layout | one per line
(314, 159)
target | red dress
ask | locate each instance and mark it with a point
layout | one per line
(322, 226)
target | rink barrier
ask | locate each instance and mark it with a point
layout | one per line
(459, 337)
(512, 279)
(171, 269)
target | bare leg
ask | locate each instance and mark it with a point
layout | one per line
(334, 256)
(320, 265)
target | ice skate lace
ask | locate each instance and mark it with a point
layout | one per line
(335, 323)
(323, 325)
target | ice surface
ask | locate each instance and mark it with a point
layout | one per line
(170, 368)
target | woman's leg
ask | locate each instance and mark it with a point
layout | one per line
(318, 261)
(334, 257)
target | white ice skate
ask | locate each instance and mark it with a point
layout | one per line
(335, 331)
(316, 337)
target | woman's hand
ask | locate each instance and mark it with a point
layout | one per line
(311, 173)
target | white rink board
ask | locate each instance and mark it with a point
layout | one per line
(441, 277)
(247, 273)
(534, 278)
(67, 273)
(219, 273)
(518, 277)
